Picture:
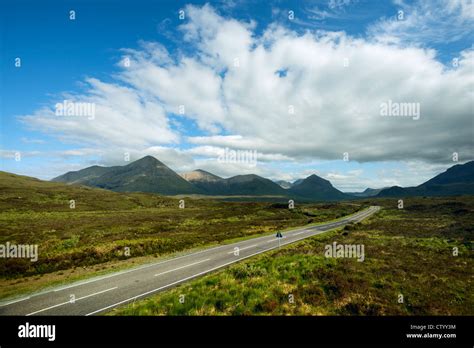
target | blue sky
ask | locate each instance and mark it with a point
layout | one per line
(289, 53)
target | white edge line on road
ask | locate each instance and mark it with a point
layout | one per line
(77, 299)
(197, 275)
(247, 247)
(150, 265)
(155, 264)
(14, 301)
(187, 278)
(175, 269)
(170, 284)
(295, 234)
(133, 269)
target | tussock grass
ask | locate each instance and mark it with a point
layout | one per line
(104, 223)
(408, 252)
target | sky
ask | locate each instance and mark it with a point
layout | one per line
(300, 83)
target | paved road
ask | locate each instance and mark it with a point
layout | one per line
(100, 294)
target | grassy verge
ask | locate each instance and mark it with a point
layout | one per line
(409, 269)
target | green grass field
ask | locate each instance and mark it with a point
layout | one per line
(408, 252)
(104, 223)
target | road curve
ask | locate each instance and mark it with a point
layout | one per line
(100, 294)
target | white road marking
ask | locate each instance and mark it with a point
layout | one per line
(175, 269)
(276, 239)
(134, 269)
(14, 301)
(247, 247)
(77, 299)
(194, 276)
(295, 234)
(155, 264)
(357, 216)
(197, 275)
(171, 284)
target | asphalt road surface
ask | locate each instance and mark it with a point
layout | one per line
(101, 294)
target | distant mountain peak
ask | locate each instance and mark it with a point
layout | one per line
(148, 174)
(317, 188)
(456, 174)
(200, 175)
(368, 192)
(314, 176)
(144, 175)
(456, 180)
(312, 179)
(147, 160)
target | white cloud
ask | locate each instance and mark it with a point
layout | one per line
(339, 4)
(123, 118)
(247, 106)
(188, 83)
(337, 109)
(426, 21)
(27, 140)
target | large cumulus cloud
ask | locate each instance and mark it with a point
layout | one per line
(289, 96)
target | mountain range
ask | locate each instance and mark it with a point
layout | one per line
(457, 180)
(150, 175)
(250, 184)
(145, 175)
(368, 192)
